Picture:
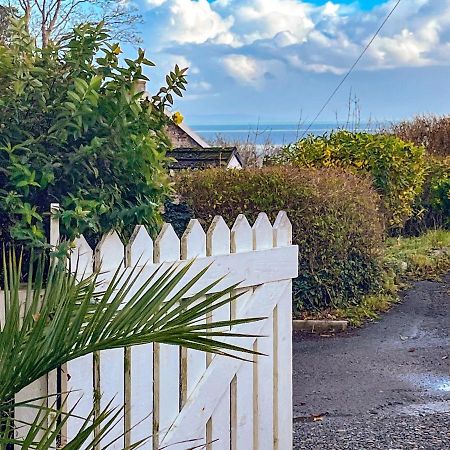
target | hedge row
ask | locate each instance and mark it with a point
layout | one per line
(397, 168)
(432, 207)
(335, 217)
(433, 132)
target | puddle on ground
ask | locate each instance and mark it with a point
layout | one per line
(429, 382)
(435, 386)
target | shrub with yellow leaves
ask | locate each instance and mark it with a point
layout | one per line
(397, 167)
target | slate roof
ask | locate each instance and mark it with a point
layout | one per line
(200, 158)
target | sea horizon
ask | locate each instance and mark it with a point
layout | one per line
(273, 133)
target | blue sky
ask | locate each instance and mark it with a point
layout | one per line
(278, 60)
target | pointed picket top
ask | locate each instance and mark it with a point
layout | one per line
(167, 245)
(262, 232)
(54, 224)
(81, 257)
(218, 237)
(109, 253)
(241, 235)
(193, 241)
(282, 230)
(139, 250)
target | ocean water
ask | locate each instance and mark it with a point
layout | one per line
(274, 133)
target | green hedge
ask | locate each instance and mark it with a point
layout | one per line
(397, 168)
(432, 207)
(335, 220)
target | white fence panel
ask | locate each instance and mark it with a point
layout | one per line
(182, 398)
(166, 369)
(193, 362)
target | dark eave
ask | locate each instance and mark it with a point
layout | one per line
(200, 158)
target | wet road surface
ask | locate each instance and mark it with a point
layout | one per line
(385, 386)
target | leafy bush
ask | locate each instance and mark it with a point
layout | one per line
(432, 207)
(178, 215)
(334, 215)
(74, 130)
(433, 132)
(396, 167)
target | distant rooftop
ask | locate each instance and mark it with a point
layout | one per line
(201, 158)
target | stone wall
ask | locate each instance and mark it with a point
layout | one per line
(180, 138)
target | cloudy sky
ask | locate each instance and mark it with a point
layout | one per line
(278, 60)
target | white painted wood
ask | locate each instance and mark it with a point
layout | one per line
(282, 230)
(233, 163)
(2, 309)
(220, 423)
(241, 235)
(283, 368)
(52, 377)
(248, 269)
(262, 233)
(81, 259)
(80, 385)
(54, 224)
(109, 253)
(167, 245)
(219, 399)
(265, 384)
(26, 415)
(263, 390)
(112, 391)
(244, 391)
(218, 243)
(139, 250)
(166, 368)
(201, 404)
(109, 371)
(141, 405)
(193, 362)
(218, 237)
(193, 241)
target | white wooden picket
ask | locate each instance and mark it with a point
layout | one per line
(183, 398)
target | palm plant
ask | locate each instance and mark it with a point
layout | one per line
(55, 319)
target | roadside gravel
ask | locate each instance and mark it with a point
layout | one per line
(385, 386)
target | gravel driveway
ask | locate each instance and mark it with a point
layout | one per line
(385, 386)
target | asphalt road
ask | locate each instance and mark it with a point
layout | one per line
(385, 386)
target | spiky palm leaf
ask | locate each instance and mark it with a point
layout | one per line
(57, 319)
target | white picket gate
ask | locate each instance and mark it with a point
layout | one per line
(184, 398)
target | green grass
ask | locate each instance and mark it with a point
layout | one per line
(418, 258)
(370, 308)
(405, 259)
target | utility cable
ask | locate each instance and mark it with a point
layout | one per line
(351, 68)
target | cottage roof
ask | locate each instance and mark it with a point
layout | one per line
(202, 157)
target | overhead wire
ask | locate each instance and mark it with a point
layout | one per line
(342, 81)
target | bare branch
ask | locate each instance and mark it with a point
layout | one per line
(51, 19)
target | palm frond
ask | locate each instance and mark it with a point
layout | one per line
(55, 319)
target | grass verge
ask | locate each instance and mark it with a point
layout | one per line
(418, 258)
(405, 260)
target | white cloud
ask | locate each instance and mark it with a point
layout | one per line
(196, 22)
(155, 3)
(247, 70)
(262, 19)
(243, 68)
(407, 47)
(255, 39)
